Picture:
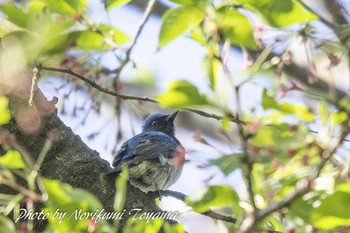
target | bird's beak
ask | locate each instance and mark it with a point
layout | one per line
(171, 117)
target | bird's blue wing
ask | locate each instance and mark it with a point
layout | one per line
(122, 152)
(145, 146)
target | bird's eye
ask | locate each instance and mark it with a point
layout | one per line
(154, 122)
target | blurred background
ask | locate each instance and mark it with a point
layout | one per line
(95, 117)
(104, 122)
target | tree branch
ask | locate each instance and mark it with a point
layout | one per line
(329, 153)
(211, 214)
(144, 19)
(24, 191)
(129, 97)
(247, 158)
(96, 86)
(215, 116)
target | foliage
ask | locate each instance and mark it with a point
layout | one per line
(182, 94)
(280, 151)
(5, 115)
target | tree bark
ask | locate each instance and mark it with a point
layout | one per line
(71, 161)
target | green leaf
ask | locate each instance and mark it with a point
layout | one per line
(36, 6)
(228, 163)
(298, 110)
(344, 103)
(301, 208)
(268, 101)
(198, 35)
(120, 195)
(47, 37)
(182, 94)
(5, 114)
(212, 66)
(72, 203)
(214, 196)
(272, 224)
(112, 33)
(236, 27)
(173, 228)
(95, 40)
(66, 7)
(7, 27)
(226, 123)
(264, 138)
(89, 40)
(64, 194)
(333, 211)
(116, 3)
(189, 2)
(280, 13)
(279, 136)
(53, 36)
(323, 110)
(42, 34)
(15, 15)
(6, 225)
(338, 117)
(136, 224)
(12, 159)
(178, 21)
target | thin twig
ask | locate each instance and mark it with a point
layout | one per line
(211, 214)
(214, 116)
(329, 153)
(25, 192)
(98, 87)
(35, 174)
(302, 188)
(316, 132)
(247, 158)
(250, 220)
(144, 19)
(33, 167)
(144, 99)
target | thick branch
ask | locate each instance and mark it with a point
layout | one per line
(72, 162)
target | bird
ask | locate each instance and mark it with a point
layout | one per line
(155, 157)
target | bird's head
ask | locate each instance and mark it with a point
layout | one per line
(160, 122)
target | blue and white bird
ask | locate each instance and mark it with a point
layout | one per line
(155, 157)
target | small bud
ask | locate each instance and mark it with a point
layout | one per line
(253, 126)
